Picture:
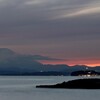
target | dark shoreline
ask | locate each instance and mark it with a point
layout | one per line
(87, 83)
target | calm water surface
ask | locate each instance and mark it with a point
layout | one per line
(23, 88)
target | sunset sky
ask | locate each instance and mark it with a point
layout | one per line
(64, 29)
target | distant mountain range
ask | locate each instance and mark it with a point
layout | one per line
(12, 63)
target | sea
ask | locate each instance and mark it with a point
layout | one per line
(24, 88)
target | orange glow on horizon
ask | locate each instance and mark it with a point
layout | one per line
(91, 63)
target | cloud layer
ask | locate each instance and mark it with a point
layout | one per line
(57, 28)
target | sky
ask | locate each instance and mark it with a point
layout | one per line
(64, 29)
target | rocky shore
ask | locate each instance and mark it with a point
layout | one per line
(87, 83)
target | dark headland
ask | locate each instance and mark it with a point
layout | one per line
(87, 83)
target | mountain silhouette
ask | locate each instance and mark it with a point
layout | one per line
(18, 64)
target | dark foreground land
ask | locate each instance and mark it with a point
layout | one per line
(87, 83)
